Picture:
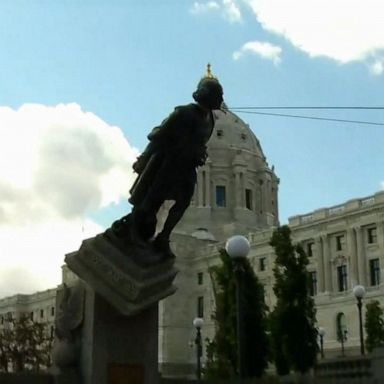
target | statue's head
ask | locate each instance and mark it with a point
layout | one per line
(209, 93)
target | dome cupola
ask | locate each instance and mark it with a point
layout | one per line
(236, 189)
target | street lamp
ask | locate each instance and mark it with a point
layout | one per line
(238, 248)
(359, 292)
(321, 332)
(198, 323)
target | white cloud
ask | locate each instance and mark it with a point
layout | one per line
(199, 7)
(32, 254)
(343, 30)
(377, 67)
(263, 49)
(231, 11)
(382, 185)
(57, 164)
(228, 8)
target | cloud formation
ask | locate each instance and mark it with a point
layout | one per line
(263, 49)
(231, 11)
(377, 66)
(228, 8)
(57, 164)
(343, 30)
(200, 7)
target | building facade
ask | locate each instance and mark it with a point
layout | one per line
(345, 245)
(40, 307)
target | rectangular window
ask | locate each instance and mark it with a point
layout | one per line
(262, 264)
(248, 199)
(310, 249)
(41, 313)
(313, 283)
(220, 196)
(339, 243)
(200, 306)
(342, 278)
(374, 268)
(200, 278)
(372, 235)
(31, 315)
(52, 311)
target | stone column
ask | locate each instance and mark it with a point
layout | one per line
(327, 264)
(320, 264)
(237, 189)
(200, 188)
(242, 188)
(360, 257)
(380, 242)
(351, 241)
(207, 185)
(261, 189)
(380, 234)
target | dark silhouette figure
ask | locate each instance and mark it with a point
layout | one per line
(167, 167)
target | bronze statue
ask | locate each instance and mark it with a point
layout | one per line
(167, 167)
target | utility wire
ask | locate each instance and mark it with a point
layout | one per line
(308, 117)
(357, 108)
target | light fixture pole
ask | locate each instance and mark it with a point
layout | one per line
(359, 292)
(238, 248)
(321, 332)
(198, 323)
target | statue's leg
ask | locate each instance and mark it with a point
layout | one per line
(144, 219)
(183, 195)
(175, 214)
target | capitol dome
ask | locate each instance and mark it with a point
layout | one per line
(232, 132)
(236, 189)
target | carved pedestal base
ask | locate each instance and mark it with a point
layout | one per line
(129, 277)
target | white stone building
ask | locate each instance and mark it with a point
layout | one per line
(345, 245)
(40, 307)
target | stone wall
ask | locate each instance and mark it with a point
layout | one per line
(25, 378)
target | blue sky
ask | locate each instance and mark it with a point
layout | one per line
(82, 83)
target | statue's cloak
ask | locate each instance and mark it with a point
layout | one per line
(176, 148)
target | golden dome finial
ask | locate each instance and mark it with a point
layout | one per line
(208, 74)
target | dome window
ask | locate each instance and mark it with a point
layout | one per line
(248, 199)
(220, 196)
(219, 133)
(244, 136)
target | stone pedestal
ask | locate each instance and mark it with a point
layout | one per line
(118, 349)
(107, 324)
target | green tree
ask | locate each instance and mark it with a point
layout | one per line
(293, 331)
(25, 343)
(374, 325)
(222, 350)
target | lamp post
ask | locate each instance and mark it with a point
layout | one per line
(343, 339)
(238, 248)
(321, 332)
(359, 292)
(198, 323)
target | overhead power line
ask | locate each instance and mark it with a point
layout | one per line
(286, 107)
(308, 117)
